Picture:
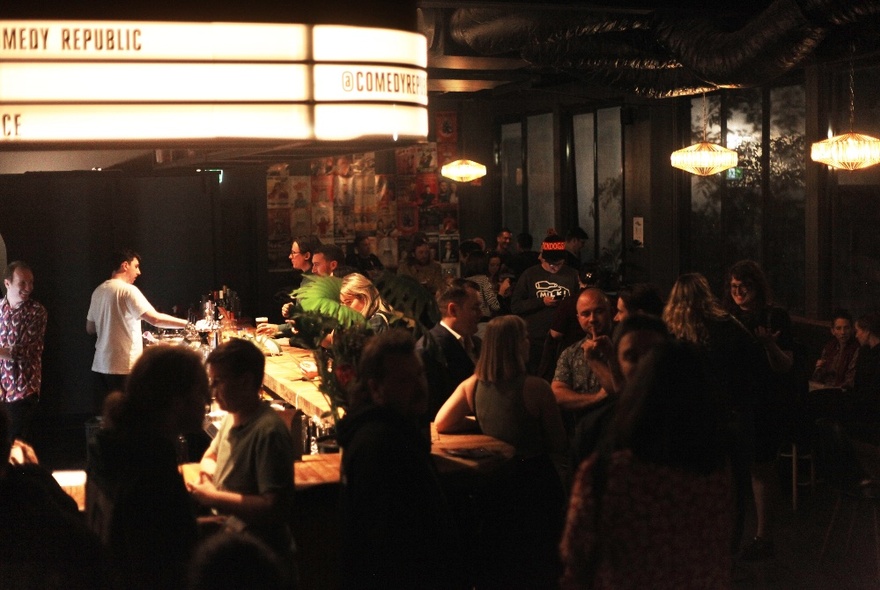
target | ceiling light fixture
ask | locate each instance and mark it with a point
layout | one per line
(463, 170)
(704, 158)
(850, 151)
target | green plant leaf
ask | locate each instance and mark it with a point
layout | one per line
(321, 295)
(409, 298)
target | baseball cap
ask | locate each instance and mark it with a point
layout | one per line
(553, 248)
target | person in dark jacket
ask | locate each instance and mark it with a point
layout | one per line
(397, 528)
(454, 336)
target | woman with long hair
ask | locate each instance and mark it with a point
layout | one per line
(694, 314)
(522, 510)
(509, 404)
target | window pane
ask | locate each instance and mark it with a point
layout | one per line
(609, 173)
(585, 178)
(540, 175)
(784, 223)
(511, 177)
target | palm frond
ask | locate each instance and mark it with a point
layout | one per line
(408, 297)
(321, 295)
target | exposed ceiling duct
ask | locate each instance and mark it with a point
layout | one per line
(662, 50)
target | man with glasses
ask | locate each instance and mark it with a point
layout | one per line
(538, 291)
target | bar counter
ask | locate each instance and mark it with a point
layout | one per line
(455, 455)
(285, 379)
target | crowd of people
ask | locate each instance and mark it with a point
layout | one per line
(643, 426)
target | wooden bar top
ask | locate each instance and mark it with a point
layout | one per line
(453, 454)
(284, 377)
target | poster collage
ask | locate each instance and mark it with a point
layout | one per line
(344, 196)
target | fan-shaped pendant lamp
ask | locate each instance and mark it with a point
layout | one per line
(850, 151)
(704, 158)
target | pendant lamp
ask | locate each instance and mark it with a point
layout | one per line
(704, 158)
(463, 170)
(850, 151)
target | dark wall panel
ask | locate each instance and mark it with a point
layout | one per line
(66, 224)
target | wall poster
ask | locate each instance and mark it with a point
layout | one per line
(346, 195)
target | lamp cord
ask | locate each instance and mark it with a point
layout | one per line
(705, 119)
(852, 93)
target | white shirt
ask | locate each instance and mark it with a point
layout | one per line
(116, 309)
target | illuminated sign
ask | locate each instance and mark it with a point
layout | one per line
(143, 82)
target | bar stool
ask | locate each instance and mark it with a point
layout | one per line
(794, 453)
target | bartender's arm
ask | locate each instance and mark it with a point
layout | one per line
(163, 320)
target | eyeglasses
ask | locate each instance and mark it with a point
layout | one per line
(555, 264)
(739, 288)
(293, 253)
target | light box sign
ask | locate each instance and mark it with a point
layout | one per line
(79, 81)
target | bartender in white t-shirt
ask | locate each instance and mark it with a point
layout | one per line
(115, 313)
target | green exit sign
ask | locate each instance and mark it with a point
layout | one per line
(734, 174)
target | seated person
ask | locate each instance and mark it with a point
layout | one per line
(514, 407)
(582, 379)
(359, 293)
(420, 265)
(528, 501)
(326, 259)
(362, 259)
(861, 411)
(836, 366)
(246, 474)
(136, 499)
(639, 298)
(397, 528)
(450, 349)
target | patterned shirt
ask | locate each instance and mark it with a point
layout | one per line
(573, 370)
(21, 330)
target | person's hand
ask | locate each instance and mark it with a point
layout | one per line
(207, 467)
(267, 330)
(287, 310)
(22, 453)
(551, 301)
(504, 288)
(599, 348)
(765, 336)
(820, 363)
(202, 492)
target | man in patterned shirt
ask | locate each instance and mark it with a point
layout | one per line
(583, 376)
(22, 328)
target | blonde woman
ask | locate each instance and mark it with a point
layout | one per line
(529, 501)
(509, 404)
(359, 293)
(737, 361)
